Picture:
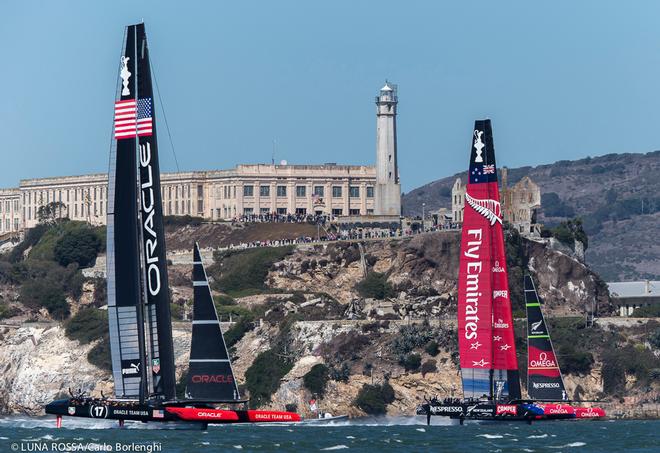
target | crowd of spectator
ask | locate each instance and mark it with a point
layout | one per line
(284, 218)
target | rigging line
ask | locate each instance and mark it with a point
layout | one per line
(162, 107)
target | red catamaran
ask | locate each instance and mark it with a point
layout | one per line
(489, 367)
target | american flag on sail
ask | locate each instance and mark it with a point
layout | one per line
(133, 118)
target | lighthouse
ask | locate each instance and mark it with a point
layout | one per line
(388, 188)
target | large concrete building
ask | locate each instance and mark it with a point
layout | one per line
(338, 190)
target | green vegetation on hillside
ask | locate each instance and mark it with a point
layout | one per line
(79, 246)
(236, 271)
(569, 231)
(316, 379)
(553, 206)
(263, 377)
(376, 286)
(49, 273)
(88, 325)
(373, 399)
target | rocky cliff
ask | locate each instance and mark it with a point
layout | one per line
(316, 304)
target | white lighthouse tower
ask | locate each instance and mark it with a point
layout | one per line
(388, 188)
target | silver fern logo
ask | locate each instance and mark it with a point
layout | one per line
(488, 208)
(535, 326)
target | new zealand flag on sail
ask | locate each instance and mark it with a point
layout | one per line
(482, 173)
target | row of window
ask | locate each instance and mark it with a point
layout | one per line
(301, 191)
(7, 205)
(6, 225)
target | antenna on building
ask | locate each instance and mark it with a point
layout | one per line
(272, 157)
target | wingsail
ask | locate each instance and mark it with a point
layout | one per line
(210, 376)
(486, 341)
(138, 295)
(544, 379)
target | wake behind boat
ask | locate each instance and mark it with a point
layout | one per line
(141, 345)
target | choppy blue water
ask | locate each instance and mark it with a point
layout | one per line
(380, 435)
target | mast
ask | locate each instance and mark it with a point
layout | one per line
(505, 378)
(154, 262)
(210, 375)
(125, 304)
(544, 379)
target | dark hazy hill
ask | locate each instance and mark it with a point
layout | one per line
(617, 195)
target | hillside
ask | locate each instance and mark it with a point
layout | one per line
(370, 326)
(617, 196)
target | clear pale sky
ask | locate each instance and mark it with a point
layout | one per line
(560, 80)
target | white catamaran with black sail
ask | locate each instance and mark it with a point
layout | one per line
(138, 293)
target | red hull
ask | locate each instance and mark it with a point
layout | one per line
(589, 412)
(193, 414)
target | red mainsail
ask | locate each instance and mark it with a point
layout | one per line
(485, 325)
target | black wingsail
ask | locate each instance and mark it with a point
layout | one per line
(156, 288)
(138, 291)
(210, 376)
(544, 380)
(125, 313)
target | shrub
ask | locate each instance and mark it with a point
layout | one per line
(341, 373)
(88, 325)
(41, 293)
(569, 231)
(632, 360)
(7, 312)
(432, 348)
(574, 361)
(411, 337)
(291, 407)
(411, 362)
(654, 338)
(78, 246)
(263, 377)
(32, 236)
(224, 299)
(553, 206)
(429, 366)
(316, 379)
(99, 355)
(650, 311)
(376, 286)
(236, 332)
(243, 270)
(100, 292)
(373, 399)
(345, 346)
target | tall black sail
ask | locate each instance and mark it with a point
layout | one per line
(125, 312)
(544, 380)
(154, 263)
(210, 376)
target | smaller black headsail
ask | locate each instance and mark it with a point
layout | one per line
(544, 380)
(210, 376)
